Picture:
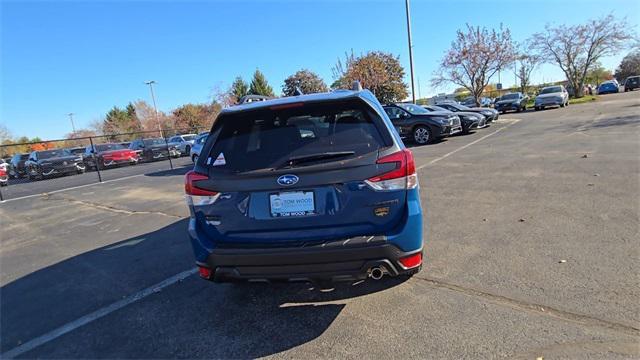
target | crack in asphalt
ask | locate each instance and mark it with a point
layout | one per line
(110, 208)
(534, 308)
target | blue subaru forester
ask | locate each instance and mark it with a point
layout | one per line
(304, 188)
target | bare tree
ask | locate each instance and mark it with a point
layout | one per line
(526, 61)
(5, 134)
(575, 49)
(474, 57)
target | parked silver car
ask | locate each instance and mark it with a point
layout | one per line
(555, 95)
(197, 146)
(183, 143)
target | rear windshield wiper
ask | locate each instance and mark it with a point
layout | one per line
(296, 160)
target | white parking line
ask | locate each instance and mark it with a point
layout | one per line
(465, 146)
(69, 188)
(102, 312)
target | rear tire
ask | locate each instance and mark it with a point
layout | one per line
(194, 158)
(422, 135)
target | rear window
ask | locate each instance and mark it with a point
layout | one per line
(151, 142)
(107, 147)
(52, 153)
(550, 90)
(265, 139)
(510, 97)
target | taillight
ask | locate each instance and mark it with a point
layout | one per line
(411, 261)
(195, 195)
(403, 176)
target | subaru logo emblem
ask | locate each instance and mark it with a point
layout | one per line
(287, 180)
(64, 163)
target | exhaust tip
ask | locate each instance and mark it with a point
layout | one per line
(376, 273)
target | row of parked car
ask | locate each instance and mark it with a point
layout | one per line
(42, 164)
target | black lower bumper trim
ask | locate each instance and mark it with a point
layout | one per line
(306, 264)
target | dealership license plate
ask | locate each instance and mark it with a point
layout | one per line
(296, 203)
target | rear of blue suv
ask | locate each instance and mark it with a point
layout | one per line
(311, 187)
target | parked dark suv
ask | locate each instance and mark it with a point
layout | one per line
(309, 187)
(16, 167)
(47, 163)
(511, 102)
(153, 149)
(632, 83)
(420, 125)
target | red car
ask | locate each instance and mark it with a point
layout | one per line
(4, 178)
(105, 155)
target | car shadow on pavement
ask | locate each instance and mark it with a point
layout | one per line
(193, 318)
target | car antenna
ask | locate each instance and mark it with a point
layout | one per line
(356, 86)
(297, 91)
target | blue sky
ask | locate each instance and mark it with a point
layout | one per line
(86, 57)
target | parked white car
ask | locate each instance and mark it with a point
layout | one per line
(197, 146)
(183, 143)
(555, 95)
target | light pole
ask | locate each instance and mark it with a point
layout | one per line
(413, 88)
(155, 108)
(73, 126)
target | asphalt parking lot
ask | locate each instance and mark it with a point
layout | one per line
(532, 249)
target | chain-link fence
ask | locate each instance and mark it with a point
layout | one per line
(42, 167)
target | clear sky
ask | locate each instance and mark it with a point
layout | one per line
(86, 57)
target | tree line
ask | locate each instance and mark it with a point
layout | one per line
(474, 58)
(477, 54)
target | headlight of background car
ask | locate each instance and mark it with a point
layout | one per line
(443, 121)
(486, 113)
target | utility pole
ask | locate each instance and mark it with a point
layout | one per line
(413, 88)
(155, 108)
(73, 126)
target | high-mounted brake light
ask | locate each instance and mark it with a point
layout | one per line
(286, 106)
(403, 176)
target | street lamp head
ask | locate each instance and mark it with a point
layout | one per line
(150, 82)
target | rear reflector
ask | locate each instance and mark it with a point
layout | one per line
(205, 273)
(411, 261)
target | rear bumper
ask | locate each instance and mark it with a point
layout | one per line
(335, 263)
(333, 259)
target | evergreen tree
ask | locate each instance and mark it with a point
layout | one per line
(259, 85)
(239, 88)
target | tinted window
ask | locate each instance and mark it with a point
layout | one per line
(414, 109)
(394, 112)
(158, 141)
(107, 147)
(510, 97)
(436, 108)
(264, 139)
(553, 89)
(52, 153)
(189, 137)
(201, 139)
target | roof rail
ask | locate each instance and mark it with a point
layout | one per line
(253, 98)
